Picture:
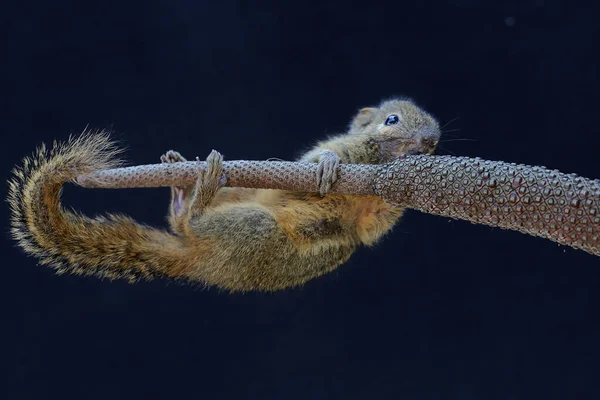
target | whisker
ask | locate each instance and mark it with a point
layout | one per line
(449, 122)
(458, 140)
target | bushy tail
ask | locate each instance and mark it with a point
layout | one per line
(110, 246)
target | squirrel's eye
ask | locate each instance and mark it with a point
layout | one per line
(392, 120)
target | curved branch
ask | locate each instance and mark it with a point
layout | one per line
(561, 207)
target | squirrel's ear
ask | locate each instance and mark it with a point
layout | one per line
(364, 117)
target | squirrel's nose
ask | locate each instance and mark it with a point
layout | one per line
(429, 139)
(429, 144)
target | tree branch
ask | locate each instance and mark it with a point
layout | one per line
(561, 207)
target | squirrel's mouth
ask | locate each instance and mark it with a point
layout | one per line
(391, 149)
(422, 146)
(416, 149)
(412, 152)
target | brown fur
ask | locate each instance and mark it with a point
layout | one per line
(241, 240)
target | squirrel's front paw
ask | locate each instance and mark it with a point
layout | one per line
(327, 170)
(212, 176)
(171, 157)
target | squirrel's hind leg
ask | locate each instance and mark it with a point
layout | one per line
(179, 194)
(208, 183)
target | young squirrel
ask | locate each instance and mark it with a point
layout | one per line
(233, 238)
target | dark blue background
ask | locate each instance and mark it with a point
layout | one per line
(439, 310)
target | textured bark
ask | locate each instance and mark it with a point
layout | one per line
(352, 178)
(533, 200)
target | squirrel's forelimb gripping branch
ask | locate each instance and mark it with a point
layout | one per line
(561, 207)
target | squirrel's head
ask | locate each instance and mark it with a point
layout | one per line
(399, 126)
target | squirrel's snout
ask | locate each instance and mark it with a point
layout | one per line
(425, 141)
(428, 145)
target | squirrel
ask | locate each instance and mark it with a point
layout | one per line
(236, 239)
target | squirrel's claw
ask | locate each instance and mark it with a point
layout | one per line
(171, 156)
(327, 170)
(179, 192)
(212, 175)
